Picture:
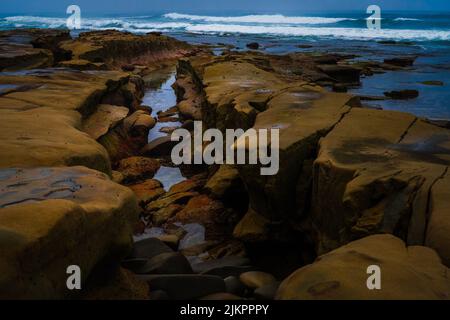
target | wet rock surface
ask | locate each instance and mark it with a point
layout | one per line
(50, 217)
(413, 272)
(346, 173)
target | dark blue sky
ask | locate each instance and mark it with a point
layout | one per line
(214, 6)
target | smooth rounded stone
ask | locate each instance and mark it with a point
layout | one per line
(133, 264)
(173, 111)
(53, 217)
(234, 285)
(172, 240)
(149, 248)
(166, 263)
(225, 178)
(407, 273)
(159, 147)
(117, 177)
(257, 279)
(168, 130)
(138, 123)
(266, 292)
(253, 227)
(165, 201)
(402, 94)
(148, 191)
(193, 184)
(221, 296)
(159, 295)
(212, 265)
(185, 286)
(162, 215)
(103, 119)
(137, 168)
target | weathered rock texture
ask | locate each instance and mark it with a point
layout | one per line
(114, 48)
(51, 218)
(41, 118)
(407, 273)
(345, 172)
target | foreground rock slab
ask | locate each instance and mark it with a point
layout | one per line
(413, 272)
(51, 218)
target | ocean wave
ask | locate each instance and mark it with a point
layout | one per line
(344, 33)
(139, 25)
(95, 23)
(406, 19)
(277, 18)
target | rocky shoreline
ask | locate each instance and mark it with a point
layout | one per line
(356, 186)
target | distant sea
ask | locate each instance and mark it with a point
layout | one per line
(426, 35)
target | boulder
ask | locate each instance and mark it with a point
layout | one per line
(234, 286)
(185, 286)
(257, 279)
(137, 169)
(207, 211)
(166, 201)
(219, 265)
(194, 183)
(159, 147)
(223, 182)
(162, 215)
(407, 273)
(266, 292)
(139, 124)
(105, 118)
(165, 263)
(149, 248)
(51, 218)
(147, 191)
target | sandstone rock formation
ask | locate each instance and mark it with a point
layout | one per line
(51, 218)
(413, 272)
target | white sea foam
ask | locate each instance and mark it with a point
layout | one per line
(190, 25)
(277, 18)
(345, 33)
(407, 19)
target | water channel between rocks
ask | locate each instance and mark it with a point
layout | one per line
(160, 96)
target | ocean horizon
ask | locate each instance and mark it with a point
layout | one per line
(415, 26)
(425, 35)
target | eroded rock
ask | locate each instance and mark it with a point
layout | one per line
(413, 272)
(51, 218)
